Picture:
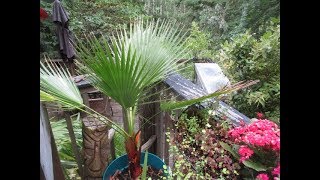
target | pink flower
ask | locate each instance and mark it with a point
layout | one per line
(262, 176)
(259, 115)
(261, 133)
(276, 171)
(245, 153)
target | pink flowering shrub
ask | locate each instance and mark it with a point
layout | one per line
(259, 143)
(276, 171)
(262, 176)
(261, 133)
(245, 153)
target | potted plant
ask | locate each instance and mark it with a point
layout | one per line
(123, 68)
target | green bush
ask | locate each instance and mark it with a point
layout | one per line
(197, 151)
(86, 17)
(246, 57)
(198, 42)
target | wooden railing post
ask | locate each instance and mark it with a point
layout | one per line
(74, 146)
(148, 120)
(48, 155)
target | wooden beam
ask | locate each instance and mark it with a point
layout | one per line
(148, 119)
(147, 145)
(97, 99)
(42, 177)
(45, 146)
(57, 169)
(75, 149)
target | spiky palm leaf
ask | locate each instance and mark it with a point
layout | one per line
(124, 68)
(160, 45)
(178, 105)
(56, 85)
(129, 64)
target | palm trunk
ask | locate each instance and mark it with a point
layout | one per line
(134, 153)
(132, 144)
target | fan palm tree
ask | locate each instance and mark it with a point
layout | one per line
(123, 68)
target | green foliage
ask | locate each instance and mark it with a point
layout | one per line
(132, 62)
(192, 124)
(200, 156)
(246, 57)
(101, 16)
(249, 163)
(63, 142)
(198, 42)
(118, 144)
(220, 19)
(57, 86)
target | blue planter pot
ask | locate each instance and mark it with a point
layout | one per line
(121, 163)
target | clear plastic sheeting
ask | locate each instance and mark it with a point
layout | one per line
(210, 77)
(188, 90)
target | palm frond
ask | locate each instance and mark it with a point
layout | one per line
(131, 62)
(181, 104)
(56, 85)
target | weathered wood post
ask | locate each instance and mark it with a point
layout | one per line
(74, 146)
(96, 146)
(50, 166)
(148, 117)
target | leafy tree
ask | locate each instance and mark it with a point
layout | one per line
(247, 57)
(221, 19)
(198, 41)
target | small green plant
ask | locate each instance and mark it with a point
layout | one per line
(199, 155)
(198, 42)
(191, 124)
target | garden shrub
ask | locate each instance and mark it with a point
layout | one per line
(257, 146)
(198, 42)
(246, 57)
(197, 150)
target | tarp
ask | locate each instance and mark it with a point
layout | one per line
(61, 19)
